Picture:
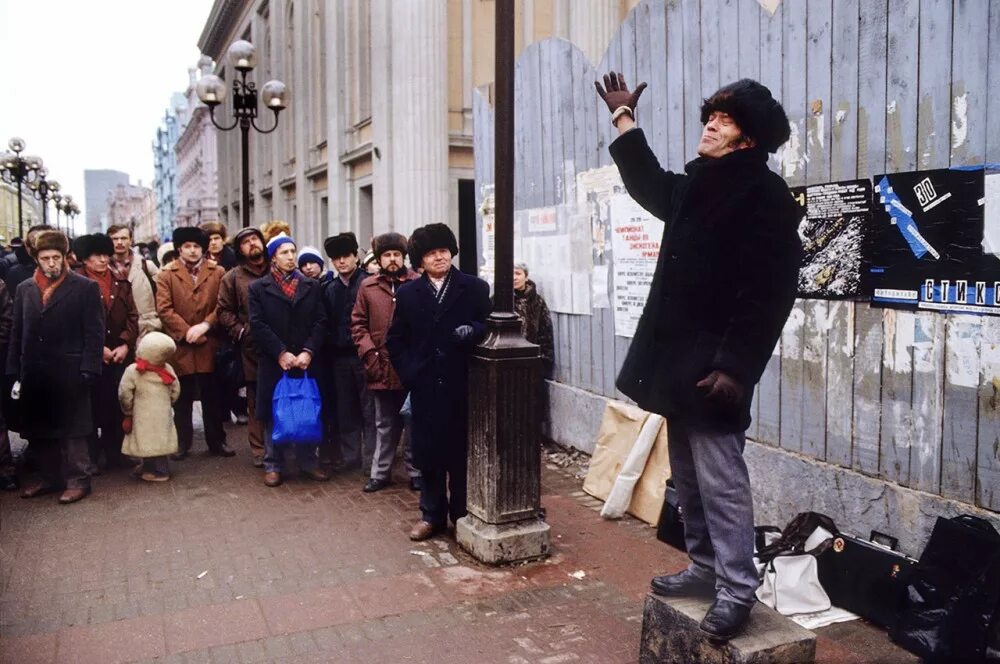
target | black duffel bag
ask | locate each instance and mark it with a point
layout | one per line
(670, 528)
(952, 594)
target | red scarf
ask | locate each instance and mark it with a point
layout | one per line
(48, 286)
(121, 268)
(142, 366)
(288, 282)
(104, 282)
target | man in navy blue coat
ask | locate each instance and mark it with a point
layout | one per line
(439, 319)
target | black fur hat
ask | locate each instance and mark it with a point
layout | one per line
(86, 246)
(341, 245)
(758, 114)
(387, 242)
(184, 234)
(430, 237)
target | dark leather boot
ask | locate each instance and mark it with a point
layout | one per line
(725, 620)
(683, 584)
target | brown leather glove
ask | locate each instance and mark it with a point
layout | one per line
(722, 388)
(127, 425)
(616, 94)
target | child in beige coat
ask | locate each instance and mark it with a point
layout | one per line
(147, 392)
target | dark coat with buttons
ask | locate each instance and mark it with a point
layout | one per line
(121, 318)
(340, 299)
(434, 365)
(51, 348)
(725, 279)
(279, 324)
(370, 322)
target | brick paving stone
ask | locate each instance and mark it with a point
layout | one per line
(309, 609)
(112, 642)
(28, 649)
(221, 624)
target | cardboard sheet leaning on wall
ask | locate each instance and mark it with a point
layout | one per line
(620, 429)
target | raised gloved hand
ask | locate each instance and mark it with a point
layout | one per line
(616, 94)
(722, 388)
(463, 332)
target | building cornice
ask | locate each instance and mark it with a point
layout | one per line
(214, 38)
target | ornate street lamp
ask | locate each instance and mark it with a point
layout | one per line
(212, 92)
(64, 204)
(44, 190)
(19, 170)
(71, 209)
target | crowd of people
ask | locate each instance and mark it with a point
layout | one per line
(108, 345)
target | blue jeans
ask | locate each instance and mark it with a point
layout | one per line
(713, 489)
(276, 455)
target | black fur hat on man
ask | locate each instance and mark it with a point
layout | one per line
(50, 240)
(430, 237)
(388, 242)
(86, 246)
(184, 234)
(758, 114)
(344, 244)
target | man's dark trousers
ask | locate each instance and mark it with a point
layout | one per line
(443, 492)
(202, 387)
(713, 488)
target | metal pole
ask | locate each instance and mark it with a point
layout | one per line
(504, 159)
(20, 213)
(245, 145)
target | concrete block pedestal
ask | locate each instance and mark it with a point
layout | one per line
(504, 543)
(670, 635)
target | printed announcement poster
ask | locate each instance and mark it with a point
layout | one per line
(635, 241)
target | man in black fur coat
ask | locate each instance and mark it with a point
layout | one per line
(725, 281)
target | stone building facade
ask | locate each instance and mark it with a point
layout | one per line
(31, 211)
(98, 184)
(197, 158)
(165, 164)
(378, 132)
(134, 206)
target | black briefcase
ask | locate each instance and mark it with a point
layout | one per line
(670, 529)
(866, 577)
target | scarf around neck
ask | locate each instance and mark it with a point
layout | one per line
(48, 286)
(194, 268)
(142, 366)
(288, 282)
(121, 268)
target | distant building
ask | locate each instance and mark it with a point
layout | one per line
(30, 208)
(133, 206)
(165, 165)
(97, 185)
(197, 157)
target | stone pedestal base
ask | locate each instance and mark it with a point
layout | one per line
(506, 543)
(670, 634)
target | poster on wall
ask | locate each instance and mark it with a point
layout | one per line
(486, 213)
(834, 230)
(930, 249)
(553, 242)
(635, 241)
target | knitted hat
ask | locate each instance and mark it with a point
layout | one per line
(430, 237)
(388, 242)
(310, 255)
(244, 234)
(86, 246)
(275, 243)
(758, 115)
(214, 228)
(161, 253)
(369, 258)
(48, 240)
(184, 234)
(345, 244)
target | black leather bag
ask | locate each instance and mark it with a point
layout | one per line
(866, 577)
(670, 528)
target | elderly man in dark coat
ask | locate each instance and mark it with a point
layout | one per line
(121, 324)
(439, 319)
(287, 320)
(725, 281)
(55, 355)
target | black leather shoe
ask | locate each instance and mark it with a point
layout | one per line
(222, 451)
(725, 620)
(416, 483)
(683, 584)
(373, 485)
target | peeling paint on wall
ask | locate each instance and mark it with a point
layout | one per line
(790, 155)
(960, 120)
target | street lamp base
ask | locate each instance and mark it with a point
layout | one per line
(495, 544)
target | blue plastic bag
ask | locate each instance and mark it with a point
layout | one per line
(296, 408)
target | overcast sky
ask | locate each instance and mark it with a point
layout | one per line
(86, 82)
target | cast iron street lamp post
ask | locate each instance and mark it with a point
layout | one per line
(212, 91)
(504, 488)
(44, 190)
(19, 170)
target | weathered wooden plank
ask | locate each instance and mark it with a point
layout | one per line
(793, 64)
(934, 113)
(867, 389)
(897, 395)
(691, 18)
(792, 340)
(840, 383)
(610, 370)
(903, 74)
(843, 113)
(710, 77)
(748, 36)
(521, 116)
(678, 113)
(969, 91)
(988, 461)
(814, 369)
(626, 37)
(729, 41)
(651, 68)
(819, 69)
(547, 132)
(928, 402)
(962, 363)
(993, 83)
(872, 65)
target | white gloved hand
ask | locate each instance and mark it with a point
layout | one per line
(15, 391)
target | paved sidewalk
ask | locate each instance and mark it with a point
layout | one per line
(216, 567)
